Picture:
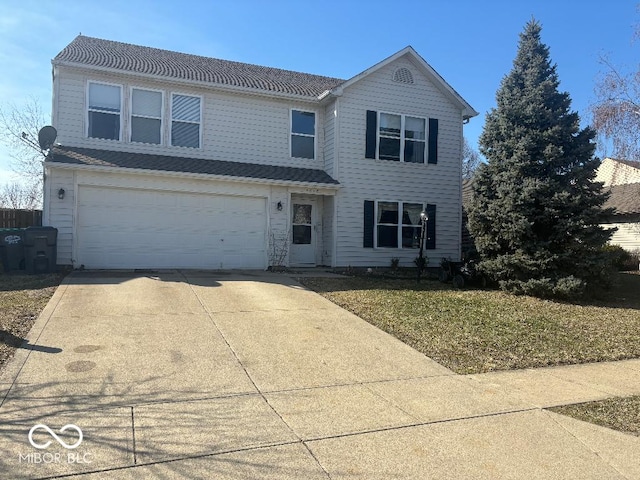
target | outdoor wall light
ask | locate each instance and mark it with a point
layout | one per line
(279, 206)
(61, 193)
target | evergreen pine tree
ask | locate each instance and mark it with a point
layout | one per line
(537, 211)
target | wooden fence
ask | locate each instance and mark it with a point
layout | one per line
(12, 218)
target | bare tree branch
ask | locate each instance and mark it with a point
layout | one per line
(19, 127)
(616, 113)
(16, 195)
(470, 160)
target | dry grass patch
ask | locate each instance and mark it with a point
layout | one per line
(476, 331)
(621, 414)
(22, 298)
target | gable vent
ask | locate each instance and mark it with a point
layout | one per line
(403, 75)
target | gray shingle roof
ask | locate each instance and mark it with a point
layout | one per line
(153, 61)
(625, 199)
(165, 163)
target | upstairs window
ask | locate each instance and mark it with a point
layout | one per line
(303, 134)
(401, 137)
(104, 111)
(146, 116)
(185, 121)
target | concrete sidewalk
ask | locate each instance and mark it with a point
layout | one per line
(249, 375)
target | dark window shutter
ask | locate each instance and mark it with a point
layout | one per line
(430, 241)
(367, 241)
(433, 140)
(372, 130)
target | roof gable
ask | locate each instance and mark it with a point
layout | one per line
(467, 110)
(110, 55)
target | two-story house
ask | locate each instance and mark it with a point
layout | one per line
(170, 160)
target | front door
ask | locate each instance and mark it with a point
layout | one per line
(303, 227)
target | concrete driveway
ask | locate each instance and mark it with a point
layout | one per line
(249, 375)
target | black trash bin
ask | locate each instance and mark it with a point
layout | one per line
(12, 248)
(40, 249)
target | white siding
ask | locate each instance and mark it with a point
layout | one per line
(329, 138)
(235, 127)
(627, 236)
(59, 212)
(328, 230)
(367, 179)
(278, 249)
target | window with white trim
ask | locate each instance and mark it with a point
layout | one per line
(303, 134)
(185, 120)
(398, 231)
(104, 109)
(402, 138)
(146, 116)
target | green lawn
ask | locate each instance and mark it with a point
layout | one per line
(475, 331)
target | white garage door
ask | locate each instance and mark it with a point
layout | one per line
(124, 228)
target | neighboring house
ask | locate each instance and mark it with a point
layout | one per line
(622, 179)
(618, 172)
(169, 160)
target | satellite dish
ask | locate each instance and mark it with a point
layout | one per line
(46, 136)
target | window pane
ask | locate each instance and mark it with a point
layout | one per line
(389, 149)
(414, 128)
(302, 147)
(388, 212)
(303, 122)
(146, 103)
(104, 125)
(145, 130)
(104, 97)
(387, 236)
(414, 152)
(302, 234)
(411, 213)
(185, 108)
(410, 237)
(390, 125)
(185, 134)
(301, 213)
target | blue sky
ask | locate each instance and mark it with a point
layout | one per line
(471, 43)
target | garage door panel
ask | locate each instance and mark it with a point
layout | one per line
(119, 228)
